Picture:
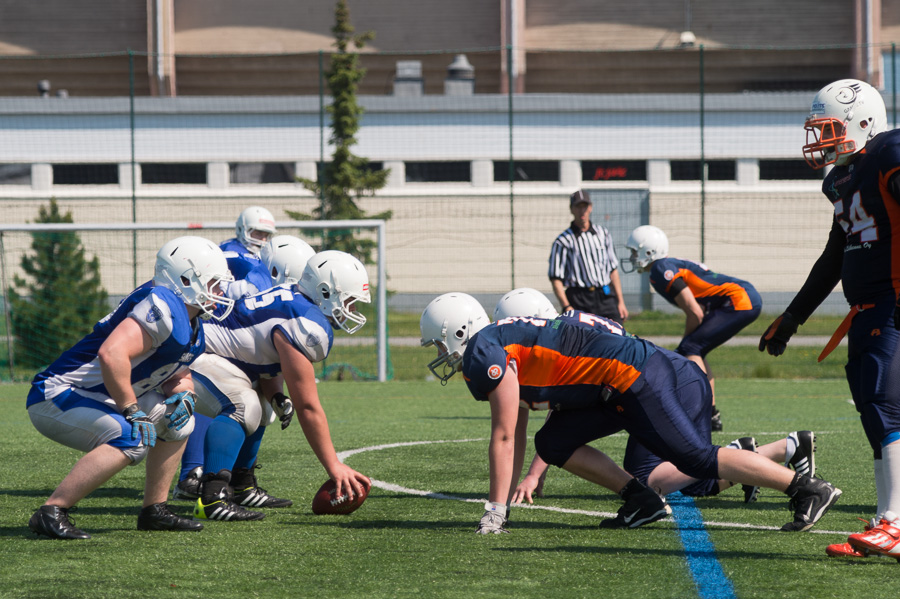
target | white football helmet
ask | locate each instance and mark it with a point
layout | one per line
(193, 267)
(647, 243)
(335, 281)
(844, 116)
(252, 219)
(524, 301)
(286, 256)
(448, 323)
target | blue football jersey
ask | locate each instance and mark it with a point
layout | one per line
(710, 289)
(245, 337)
(560, 364)
(177, 341)
(869, 214)
(250, 274)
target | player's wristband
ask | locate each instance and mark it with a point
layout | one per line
(131, 409)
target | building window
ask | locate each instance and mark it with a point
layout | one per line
(716, 170)
(436, 172)
(614, 170)
(787, 170)
(262, 172)
(15, 174)
(85, 174)
(527, 170)
(170, 173)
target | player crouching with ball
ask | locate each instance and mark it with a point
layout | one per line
(124, 392)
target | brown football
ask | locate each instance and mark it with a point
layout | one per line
(326, 502)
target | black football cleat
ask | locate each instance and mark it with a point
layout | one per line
(159, 517)
(53, 521)
(248, 493)
(810, 499)
(188, 488)
(642, 506)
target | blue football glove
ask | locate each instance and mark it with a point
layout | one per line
(142, 427)
(184, 410)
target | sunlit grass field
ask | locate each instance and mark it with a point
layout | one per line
(425, 446)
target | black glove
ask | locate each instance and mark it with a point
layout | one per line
(776, 337)
(141, 426)
(284, 409)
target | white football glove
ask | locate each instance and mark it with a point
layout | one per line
(493, 519)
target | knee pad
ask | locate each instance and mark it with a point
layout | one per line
(555, 454)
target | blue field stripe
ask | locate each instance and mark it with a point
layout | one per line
(699, 550)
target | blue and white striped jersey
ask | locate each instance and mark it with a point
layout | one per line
(245, 337)
(177, 341)
(250, 274)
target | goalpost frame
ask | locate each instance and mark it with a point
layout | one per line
(378, 225)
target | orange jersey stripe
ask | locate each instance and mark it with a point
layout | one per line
(893, 212)
(700, 288)
(543, 367)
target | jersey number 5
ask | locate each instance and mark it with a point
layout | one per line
(264, 299)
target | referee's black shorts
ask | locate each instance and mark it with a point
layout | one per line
(596, 300)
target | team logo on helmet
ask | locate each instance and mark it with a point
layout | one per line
(494, 372)
(847, 95)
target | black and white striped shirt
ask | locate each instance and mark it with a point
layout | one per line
(583, 259)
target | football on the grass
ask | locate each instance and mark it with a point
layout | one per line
(327, 502)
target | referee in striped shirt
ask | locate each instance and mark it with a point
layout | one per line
(584, 270)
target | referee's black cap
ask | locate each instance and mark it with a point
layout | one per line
(579, 197)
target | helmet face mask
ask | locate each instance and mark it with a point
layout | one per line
(524, 302)
(646, 244)
(448, 323)
(285, 257)
(193, 268)
(335, 281)
(844, 116)
(254, 219)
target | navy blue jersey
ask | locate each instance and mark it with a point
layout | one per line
(250, 274)
(560, 365)
(868, 211)
(176, 342)
(669, 276)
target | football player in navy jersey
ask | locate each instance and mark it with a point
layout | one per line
(608, 383)
(716, 306)
(108, 395)
(253, 229)
(847, 128)
(797, 450)
(272, 339)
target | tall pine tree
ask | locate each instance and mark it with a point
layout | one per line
(62, 298)
(347, 176)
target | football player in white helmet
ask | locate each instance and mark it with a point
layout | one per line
(844, 116)
(271, 340)
(253, 228)
(103, 396)
(524, 301)
(646, 243)
(448, 322)
(285, 256)
(847, 128)
(335, 281)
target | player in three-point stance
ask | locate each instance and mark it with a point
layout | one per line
(617, 383)
(107, 395)
(272, 339)
(847, 128)
(797, 450)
